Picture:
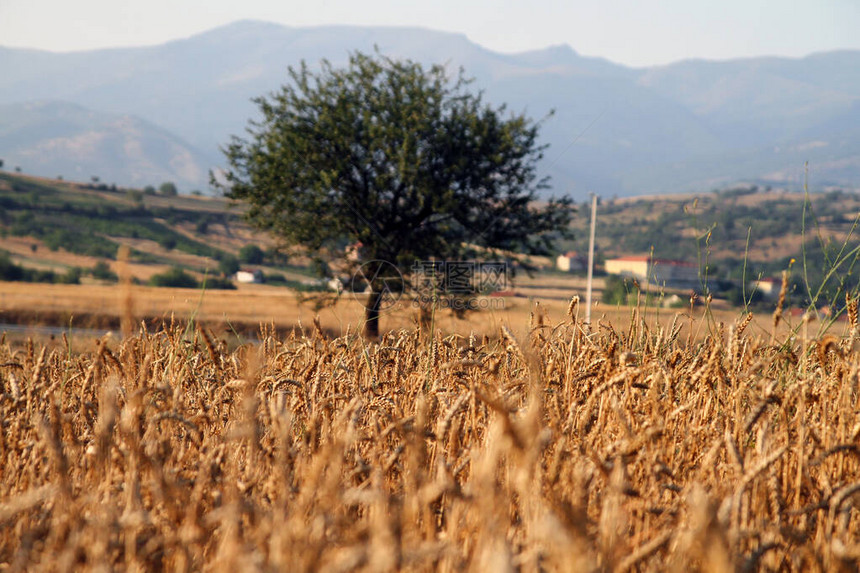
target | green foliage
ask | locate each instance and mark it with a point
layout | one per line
(218, 283)
(276, 258)
(228, 265)
(175, 277)
(77, 242)
(393, 156)
(251, 255)
(78, 226)
(144, 257)
(275, 279)
(319, 268)
(619, 290)
(167, 242)
(9, 271)
(713, 230)
(397, 157)
(136, 196)
(754, 297)
(71, 277)
(22, 185)
(101, 271)
(168, 189)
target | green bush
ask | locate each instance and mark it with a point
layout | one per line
(9, 271)
(251, 255)
(228, 265)
(618, 290)
(167, 243)
(72, 277)
(168, 189)
(218, 283)
(101, 271)
(276, 279)
(175, 278)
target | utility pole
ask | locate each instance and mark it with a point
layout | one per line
(590, 259)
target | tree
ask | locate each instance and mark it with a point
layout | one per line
(401, 159)
(136, 197)
(251, 255)
(228, 265)
(168, 189)
(102, 271)
(174, 277)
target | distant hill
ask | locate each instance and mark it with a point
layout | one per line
(63, 227)
(744, 232)
(65, 139)
(54, 229)
(693, 125)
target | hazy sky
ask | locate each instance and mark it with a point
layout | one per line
(633, 32)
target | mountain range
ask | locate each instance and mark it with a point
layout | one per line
(136, 116)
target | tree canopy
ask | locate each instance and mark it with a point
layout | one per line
(401, 159)
(168, 189)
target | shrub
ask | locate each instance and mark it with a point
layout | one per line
(617, 290)
(168, 189)
(168, 243)
(71, 277)
(218, 283)
(101, 271)
(175, 278)
(228, 265)
(251, 255)
(276, 279)
(9, 271)
(135, 195)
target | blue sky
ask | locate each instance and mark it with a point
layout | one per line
(631, 32)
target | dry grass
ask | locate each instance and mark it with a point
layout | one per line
(102, 306)
(562, 449)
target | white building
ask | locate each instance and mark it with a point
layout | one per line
(768, 287)
(653, 271)
(249, 276)
(571, 262)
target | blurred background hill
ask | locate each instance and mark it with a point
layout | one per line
(135, 116)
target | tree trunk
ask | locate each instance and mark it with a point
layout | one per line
(425, 316)
(371, 315)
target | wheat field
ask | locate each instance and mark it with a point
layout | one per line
(565, 448)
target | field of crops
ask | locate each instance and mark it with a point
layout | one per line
(567, 448)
